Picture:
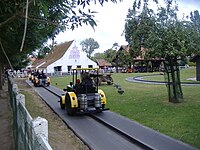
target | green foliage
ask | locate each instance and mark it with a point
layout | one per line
(191, 63)
(195, 19)
(110, 55)
(46, 19)
(89, 45)
(162, 35)
(138, 27)
(98, 56)
(43, 52)
(124, 58)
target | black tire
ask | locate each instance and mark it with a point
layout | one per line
(62, 106)
(35, 84)
(103, 106)
(97, 80)
(70, 111)
(110, 81)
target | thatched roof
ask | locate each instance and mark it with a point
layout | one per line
(57, 52)
(142, 56)
(38, 62)
(125, 47)
(103, 63)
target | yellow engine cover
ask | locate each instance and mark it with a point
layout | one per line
(103, 96)
(29, 76)
(36, 80)
(48, 80)
(63, 99)
(74, 99)
(32, 77)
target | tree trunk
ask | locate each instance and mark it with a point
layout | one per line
(116, 61)
(133, 61)
(1, 76)
(172, 76)
(198, 69)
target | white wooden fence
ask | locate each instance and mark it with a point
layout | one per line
(29, 133)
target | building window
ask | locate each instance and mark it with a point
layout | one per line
(58, 70)
(69, 68)
(90, 66)
(78, 66)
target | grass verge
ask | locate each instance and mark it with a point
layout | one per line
(148, 105)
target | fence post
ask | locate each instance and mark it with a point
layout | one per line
(27, 132)
(15, 89)
(40, 126)
(20, 98)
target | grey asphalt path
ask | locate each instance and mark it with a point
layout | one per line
(100, 137)
(140, 79)
(96, 135)
(150, 137)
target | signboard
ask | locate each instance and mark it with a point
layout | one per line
(74, 53)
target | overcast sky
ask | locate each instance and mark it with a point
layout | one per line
(110, 24)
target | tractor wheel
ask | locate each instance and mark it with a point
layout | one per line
(110, 80)
(97, 80)
(62, 106)
(35, 84)
(70, 111)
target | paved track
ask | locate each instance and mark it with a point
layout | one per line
(94, 134)
(100, 137)
(140, 79)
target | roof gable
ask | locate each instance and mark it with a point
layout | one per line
(57, 53)
(103, 63)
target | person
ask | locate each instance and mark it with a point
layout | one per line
(78, 81)
(77, 86)
(70, 87)
(86, 80)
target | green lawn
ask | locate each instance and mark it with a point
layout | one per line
(185, 75)
(148, 105)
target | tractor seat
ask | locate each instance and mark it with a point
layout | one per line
(84, 89)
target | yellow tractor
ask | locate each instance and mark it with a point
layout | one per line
(82, 94)
(41, 80)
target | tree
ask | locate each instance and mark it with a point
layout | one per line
(138, 27)
(43, 52)
(110, 54)
(195, 19)
(98, 56)
(43, 20)
(115, 45)
(89, 45)
(163, 35)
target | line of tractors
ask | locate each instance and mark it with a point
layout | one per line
(39, 78)
(82, 95)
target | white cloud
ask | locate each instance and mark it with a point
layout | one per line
(110, 23)
(186, 6)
